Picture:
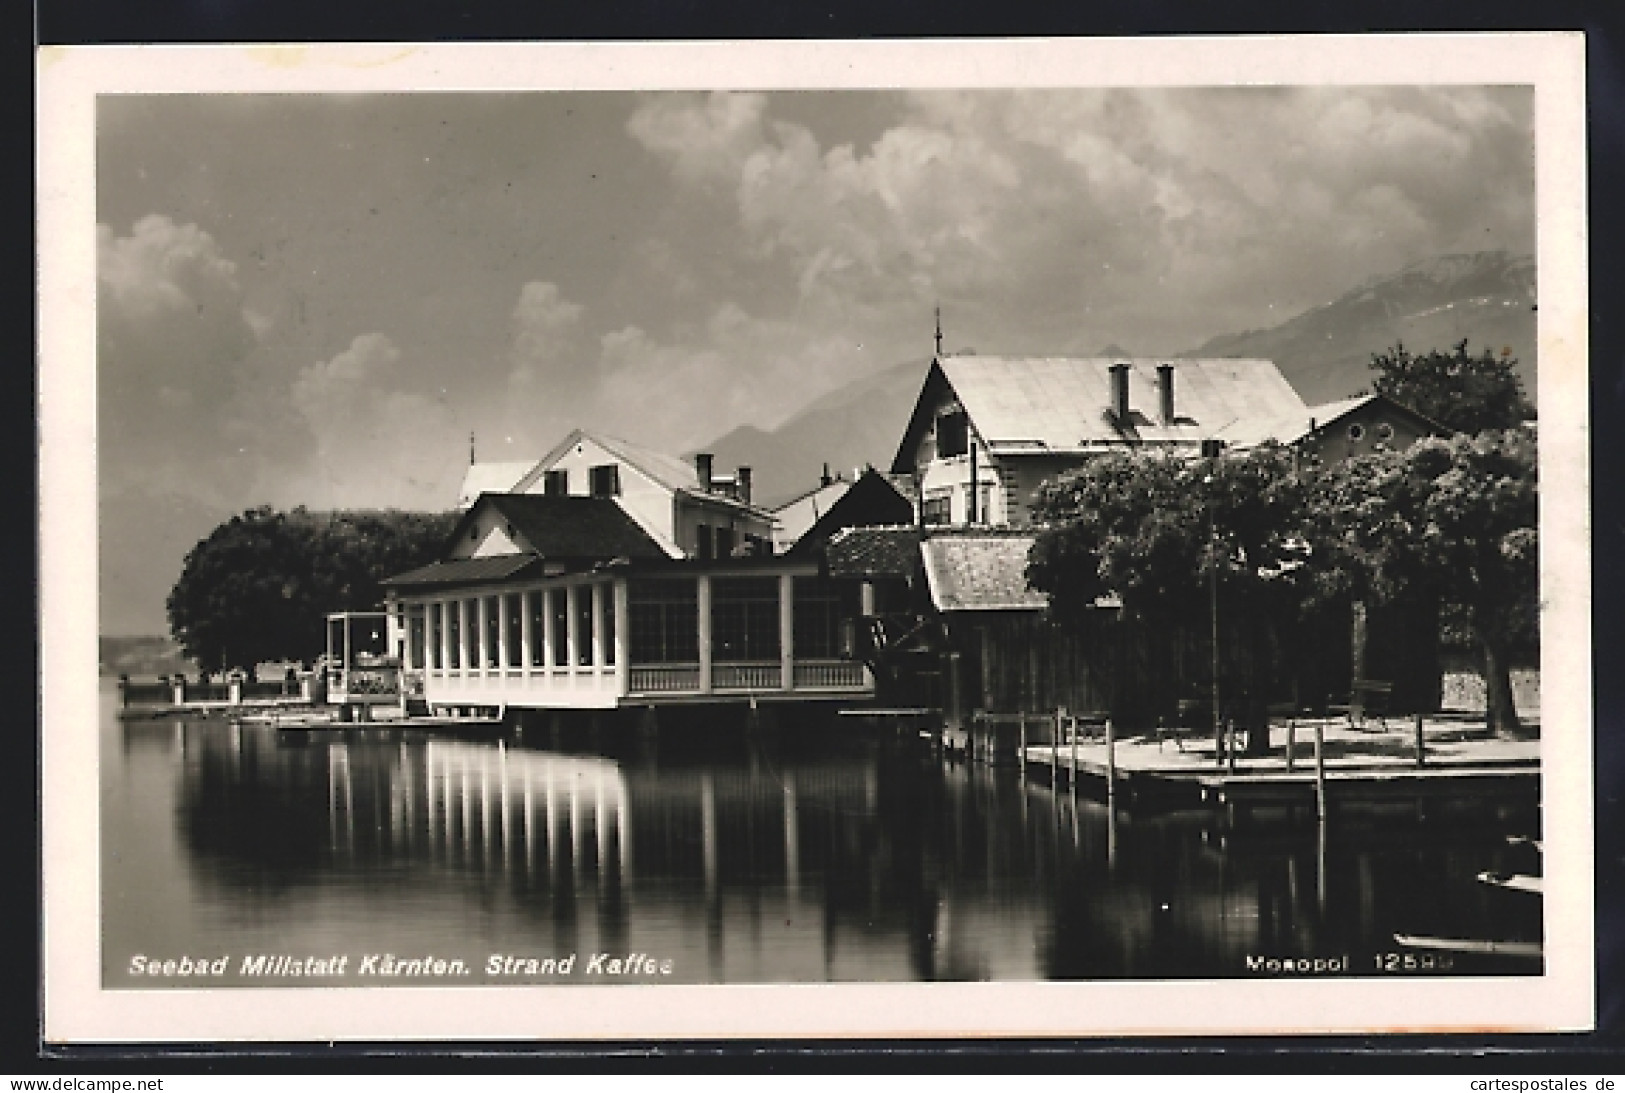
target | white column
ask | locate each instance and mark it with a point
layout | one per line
(571, 630)
(866, 607)
(526, 638)
(623, 637)
(703, 598)
(502, 632)
(792, 839)
(445, 635)
(549, 638)
(598, 597)
(482, 611)
(787, 631)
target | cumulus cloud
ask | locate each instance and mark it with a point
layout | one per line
(375, 444)
(1058, 220)
(173, 337)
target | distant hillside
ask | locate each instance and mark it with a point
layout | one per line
(142, 657)
(847, 428)
(1325, 353)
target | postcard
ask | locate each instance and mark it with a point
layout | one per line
(1037, 538)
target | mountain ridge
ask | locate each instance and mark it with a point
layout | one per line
(1486, 298)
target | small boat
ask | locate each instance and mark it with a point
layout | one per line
(1524, 840)
(1517, 882)
(1530, 949)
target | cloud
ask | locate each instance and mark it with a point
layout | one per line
(1053, 221)
(375, 445)
(173, 342)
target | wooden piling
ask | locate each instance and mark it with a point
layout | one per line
(1023, 752)
(1230, 744)
(1072, 766)
(1320, 771)
(1055, 751)
(1421, 747)
(1291, 741)
(1111, 762)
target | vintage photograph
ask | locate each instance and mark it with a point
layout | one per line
(997, 533)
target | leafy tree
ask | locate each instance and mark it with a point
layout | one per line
(258, 586)
(1457, 517)
(1155, 529)
(1465, 393)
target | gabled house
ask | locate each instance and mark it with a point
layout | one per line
(805, 523)
(687, 508)
(490, 478)
(986, 432)
(614, 576)
(1335, 431)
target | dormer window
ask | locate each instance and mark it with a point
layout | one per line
(953, 433)
(605, 480)
(556, 483)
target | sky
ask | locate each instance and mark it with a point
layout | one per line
(315, 299)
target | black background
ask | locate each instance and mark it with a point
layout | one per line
(126, 21)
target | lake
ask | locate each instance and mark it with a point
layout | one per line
(377, 856)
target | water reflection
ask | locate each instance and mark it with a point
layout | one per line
(853, 861)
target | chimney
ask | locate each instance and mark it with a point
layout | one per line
(1165, 392)
(744, 484)
(702, 467)
(825, 479)
(1120, 392)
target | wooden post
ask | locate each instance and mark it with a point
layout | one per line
(1023, 752)
(1291, 741)
(1320, 771)
(1218, 742)
(1421, 747)
(1111, 763)
(1230, 744)
(1072, 766)
(1055, 751)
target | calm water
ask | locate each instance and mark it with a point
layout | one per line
(852, 861)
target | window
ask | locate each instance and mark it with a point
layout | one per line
(471, 633)
(561, 628)
(936, 508)
(1385, 431)
(556, 483)
(493, 632)
(953, 433)
(663, 621)
(454, 624)
(608, 592)
(415, 636)
(979, 513)
(725, 542)
(538, 628)
(584, 626)
(436, 623)
(516, 633)
(1356, 431)
(705, 546)
(745, 619)
(605, 480)
(822, 607)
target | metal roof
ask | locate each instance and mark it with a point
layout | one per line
(1064, 403)
(496, 567)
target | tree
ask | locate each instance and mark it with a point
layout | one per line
(1461, 392)
(259, 585)
(1457, 517)
(1154, 529)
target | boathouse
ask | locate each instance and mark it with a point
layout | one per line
(613, 576)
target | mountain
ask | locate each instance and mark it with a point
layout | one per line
(847, 428)
(1325, 353)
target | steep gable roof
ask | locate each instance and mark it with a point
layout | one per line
(892, 551)
(796, 517)
(1063, 404)
(666, 471)
(567, 527)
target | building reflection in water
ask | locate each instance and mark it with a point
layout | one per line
(863, 863)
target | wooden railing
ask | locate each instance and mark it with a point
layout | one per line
(746, 677)
(815, 674)
(663, 678)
